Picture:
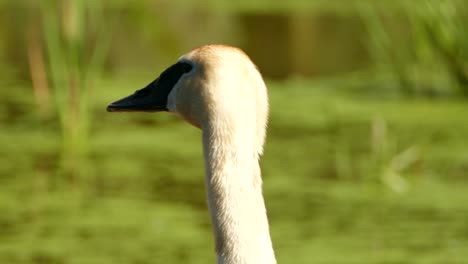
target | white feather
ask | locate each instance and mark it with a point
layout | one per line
(225, 96)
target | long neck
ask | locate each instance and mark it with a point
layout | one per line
(235, 200)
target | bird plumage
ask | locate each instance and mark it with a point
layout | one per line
(219, 90)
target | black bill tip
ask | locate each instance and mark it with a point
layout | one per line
(129, 104)
(113, 108)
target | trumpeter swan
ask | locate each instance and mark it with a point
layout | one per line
(218, 89)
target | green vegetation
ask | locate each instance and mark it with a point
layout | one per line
(72, 70)
(366, 159)
(334, 183)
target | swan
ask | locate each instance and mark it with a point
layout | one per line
(219, 90)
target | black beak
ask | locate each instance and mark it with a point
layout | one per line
(148, 99)
(152, 98)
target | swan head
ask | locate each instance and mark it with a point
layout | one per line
(210, 82)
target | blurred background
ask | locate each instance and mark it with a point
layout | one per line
(367, 153)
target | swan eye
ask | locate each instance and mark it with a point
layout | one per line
(187, 67)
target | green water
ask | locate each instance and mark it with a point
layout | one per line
(347, 179)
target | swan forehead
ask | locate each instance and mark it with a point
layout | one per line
(216, 56)
(219, 72)
(216, 69)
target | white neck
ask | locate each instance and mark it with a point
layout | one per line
(235, 200)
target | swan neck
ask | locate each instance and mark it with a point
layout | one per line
(236, 204)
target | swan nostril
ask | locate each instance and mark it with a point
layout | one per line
(142, 92)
